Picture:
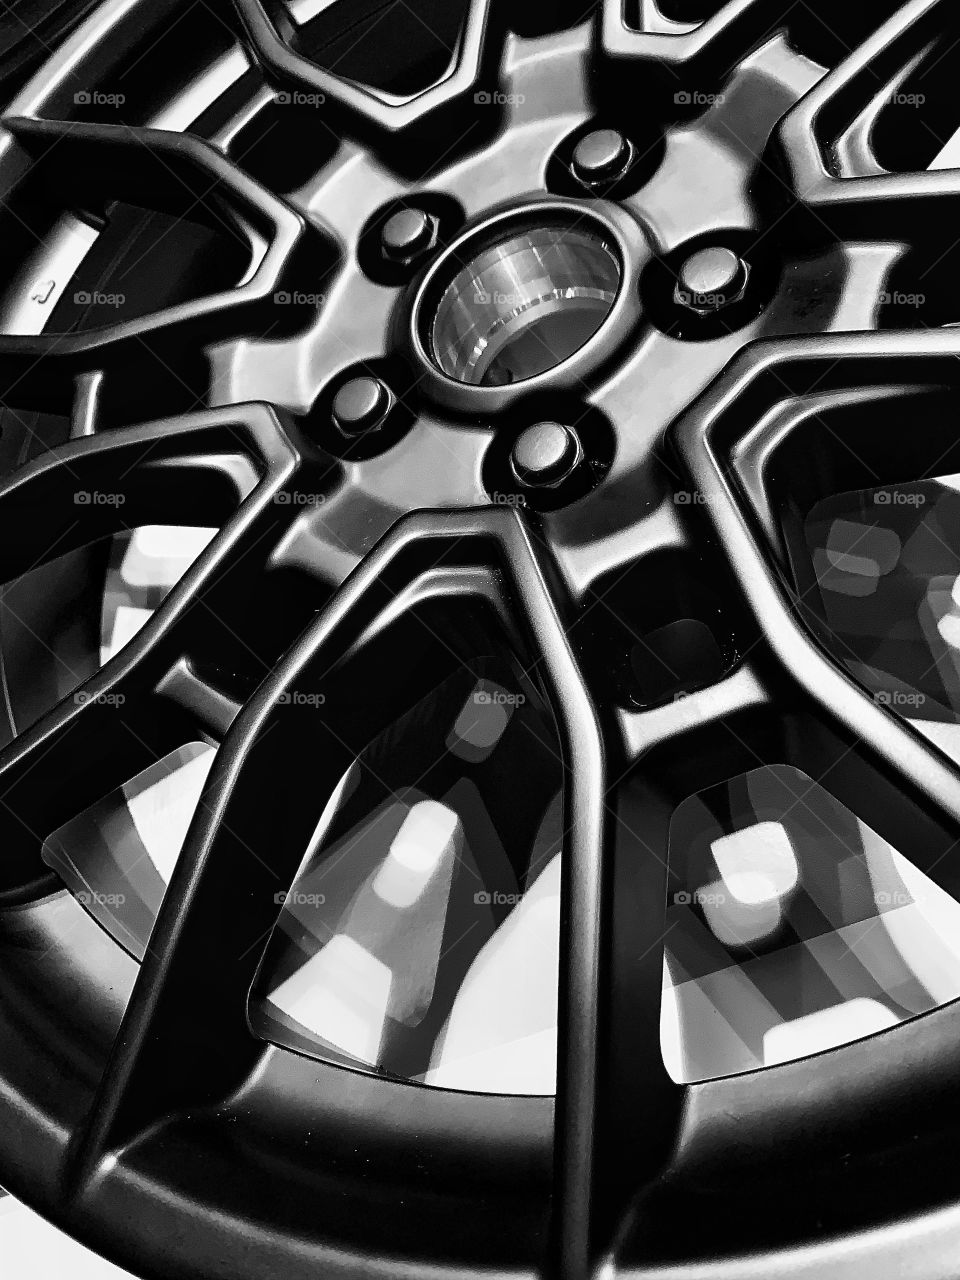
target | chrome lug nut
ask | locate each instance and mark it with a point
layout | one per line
(545, 455)
(361, 405)
(710, 280)
(407, 235)
(601, 157)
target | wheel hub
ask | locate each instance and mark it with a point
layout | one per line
(524, 305)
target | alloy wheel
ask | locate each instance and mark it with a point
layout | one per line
(594, 368)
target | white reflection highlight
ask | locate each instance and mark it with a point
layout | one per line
(160, 554)
(757, 863)
(342, 994)
(826, 1029)
(428, 836)
(735, 923)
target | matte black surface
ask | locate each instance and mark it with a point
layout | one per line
(657, 606)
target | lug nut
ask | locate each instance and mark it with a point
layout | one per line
(710, 280)
(601, 157)
(361, 405)
(545, 455)
(407, 235)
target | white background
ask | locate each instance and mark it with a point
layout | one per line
(30, 1249)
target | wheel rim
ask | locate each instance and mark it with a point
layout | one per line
(399, 531)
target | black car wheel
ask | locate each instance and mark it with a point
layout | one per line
(556, 406)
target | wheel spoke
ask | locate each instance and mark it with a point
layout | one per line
(921, 812)
(278, 758)
(711, 46)
(479, 275)
(89, 167)
(201, 468)
(850, 203)
(359, 110)
(873, 764)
